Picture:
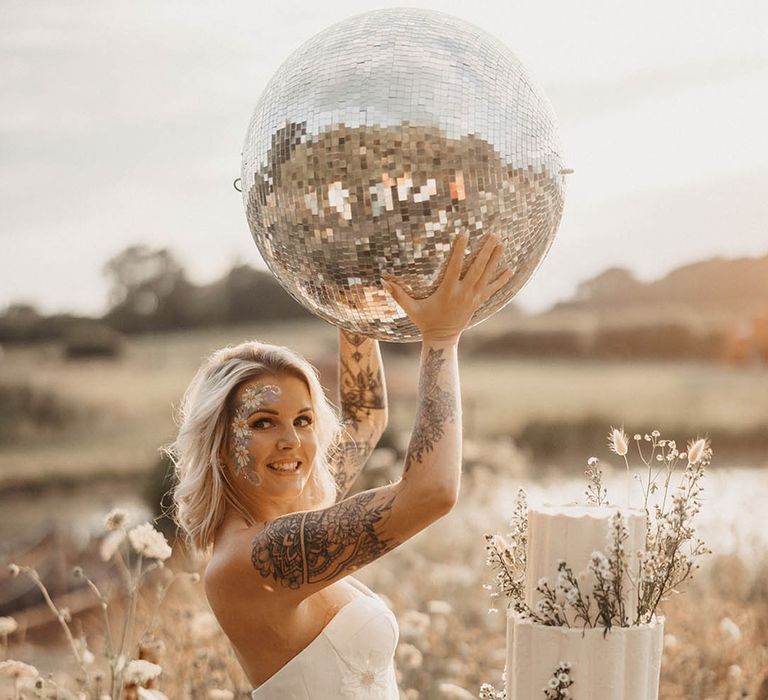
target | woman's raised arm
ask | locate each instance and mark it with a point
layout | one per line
(363, 399)
(298, 554)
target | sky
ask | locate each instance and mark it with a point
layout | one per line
(122, 122)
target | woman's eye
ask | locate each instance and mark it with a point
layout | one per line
(303, 421)
(261, 423)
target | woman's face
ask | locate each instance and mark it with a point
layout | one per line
(272, 442)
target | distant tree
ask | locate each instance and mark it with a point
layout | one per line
(148, 290)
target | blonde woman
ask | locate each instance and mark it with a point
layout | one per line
(264, 468)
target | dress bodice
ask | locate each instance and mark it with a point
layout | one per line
(351, 658)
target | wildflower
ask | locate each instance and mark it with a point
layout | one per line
(697, 449)
(8, 625)
(18, 669)
(149, 542)
(408, 656)
(217, 694)
(617, 441)
(439, 607)
(414, 624)
(13, 570)
(592, 461)
(728, 628)
(139, 671)
(115, 519)
(109, 545)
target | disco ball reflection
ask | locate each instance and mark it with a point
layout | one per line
(376, 143)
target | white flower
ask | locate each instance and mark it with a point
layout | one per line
(13, 570)
(455, 692)
(217, 694)
(115, 519)
(728, 628)
(8, 625)
(109, 545)
(140, 671)
(366, 677)
(149, 542)
(150, 694)
(697, 449)
(592, 461)
(617, 441)
(18, 669)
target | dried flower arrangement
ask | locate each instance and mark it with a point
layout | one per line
(668, 558)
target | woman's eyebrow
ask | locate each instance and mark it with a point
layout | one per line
(277, 413)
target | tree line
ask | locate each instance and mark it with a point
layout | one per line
(149, 291)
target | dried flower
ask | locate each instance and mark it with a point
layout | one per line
(18, 669)
(139, 671)
(8, 625)
(115, 519)
(149, 542)
(110, 544)
(697, 449)
(617, 441)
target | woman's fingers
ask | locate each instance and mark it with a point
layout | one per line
(476, 268)
(398, 294)
(453, 269)
(503, 278)
(491, 268)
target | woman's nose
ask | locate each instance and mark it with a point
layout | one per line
(288, 438)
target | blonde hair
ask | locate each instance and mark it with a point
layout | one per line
(202, 489)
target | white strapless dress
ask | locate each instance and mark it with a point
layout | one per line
(352, 658)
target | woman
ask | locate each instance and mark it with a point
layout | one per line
(263, 478)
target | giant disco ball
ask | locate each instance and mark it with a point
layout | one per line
(376, 143)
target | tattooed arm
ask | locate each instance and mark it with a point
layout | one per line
(363, 398)
(298, 554)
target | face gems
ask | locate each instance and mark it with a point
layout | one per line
(252, 399)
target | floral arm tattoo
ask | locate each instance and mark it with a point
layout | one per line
(436, 408)
(362, 396)
(321, 545)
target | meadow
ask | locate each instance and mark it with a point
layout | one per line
(106, 419)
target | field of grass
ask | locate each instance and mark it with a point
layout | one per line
(111, 416)
(716, 629)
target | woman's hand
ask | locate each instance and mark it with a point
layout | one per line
(445, 313)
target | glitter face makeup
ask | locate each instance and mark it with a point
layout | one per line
(253, 399)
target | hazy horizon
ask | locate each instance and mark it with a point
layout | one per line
(123, 124)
